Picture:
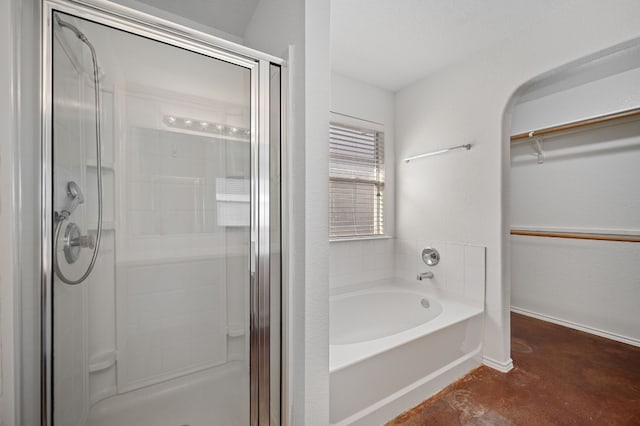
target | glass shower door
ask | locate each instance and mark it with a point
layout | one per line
(154, 164)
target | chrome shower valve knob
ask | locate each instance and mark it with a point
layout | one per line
(430, 256)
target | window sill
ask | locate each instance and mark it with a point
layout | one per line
(376, 237)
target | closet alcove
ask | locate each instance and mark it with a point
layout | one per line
(575, 198)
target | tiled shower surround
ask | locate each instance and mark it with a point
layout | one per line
(460, 271)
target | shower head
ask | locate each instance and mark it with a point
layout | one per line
(73, 28)
(75, 198)
(99, 73)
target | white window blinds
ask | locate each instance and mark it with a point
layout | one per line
(356, 181)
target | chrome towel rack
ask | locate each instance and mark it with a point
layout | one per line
(442, 151)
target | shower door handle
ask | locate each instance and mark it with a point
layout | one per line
(74, 241)
(83, 241)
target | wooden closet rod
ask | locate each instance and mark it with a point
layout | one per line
(634, 112)
(578, 235)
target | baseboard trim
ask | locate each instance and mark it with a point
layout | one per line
(579, 327)
(503, 367)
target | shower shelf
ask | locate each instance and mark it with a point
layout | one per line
(106, 226)
(235, 331)
(102, 361)
(92, 164)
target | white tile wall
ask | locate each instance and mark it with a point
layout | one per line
(172, 319)
(171, 181)
(461, 271)
(101, 319)
(474, 275)
(237, 294)
(70, 322)
(354, 262)
(70, 354)
(92, 197)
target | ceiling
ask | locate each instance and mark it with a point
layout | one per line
(393, 43)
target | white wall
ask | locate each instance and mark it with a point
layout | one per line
(7, 247)
(353, 262)
(464, 196)
(27, 279)
(304, 27)
(588, 183)
(614, 93)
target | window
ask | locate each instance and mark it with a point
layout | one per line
(356, 181)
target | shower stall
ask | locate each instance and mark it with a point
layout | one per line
(161, 254)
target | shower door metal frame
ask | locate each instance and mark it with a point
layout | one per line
(157, 29)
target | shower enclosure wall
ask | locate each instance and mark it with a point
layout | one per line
(161, 154)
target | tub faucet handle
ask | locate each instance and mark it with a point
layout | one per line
(425, 276)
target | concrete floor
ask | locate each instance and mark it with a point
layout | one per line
(561, 377)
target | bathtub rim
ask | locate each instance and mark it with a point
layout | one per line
(454, 310)
(386, 290)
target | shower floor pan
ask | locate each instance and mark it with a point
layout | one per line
(219, 396)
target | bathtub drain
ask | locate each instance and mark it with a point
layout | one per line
(425, 303)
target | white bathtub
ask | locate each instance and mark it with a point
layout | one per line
(394, 344)
(381, 312)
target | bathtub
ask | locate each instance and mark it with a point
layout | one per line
(393, 344)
